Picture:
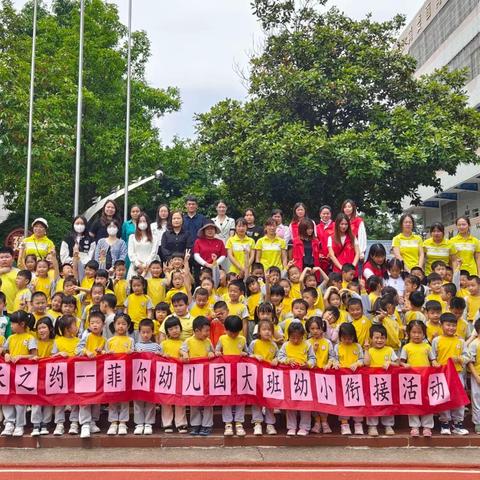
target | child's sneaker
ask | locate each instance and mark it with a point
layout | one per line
(302, 432)
(18, 432)
(94, 428)
(459, 429)
(445, 429)
(427, 432)
(147, 429)
(74, 428)
(138, 430)
(317, 427)
(326, 428)
(271, 430)
(168, 429)
(8, 430)
(389, 431)
(182, 429)
(113, 429)
(44, 431)
(59, 429)
(205, 431)
(122, 428)
(373, 431)
(415, 432)
(239, 430)
(345, 429)
(358, 429)
(292, 432)
(85, 431)
(35, 432)
(195, 430)
(228, 432)
(257, 429)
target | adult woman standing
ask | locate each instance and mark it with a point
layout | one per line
(225, 225)
(349, 208)
(325, 229)
(160, 225)
(467, 246)
(111, 248)
(306, 247)
(207, 249)
(408, 246)
(437, 247)
(253, 231)
(342, 245)
(77, 236)
(299, 212)
(142, 247)
(38, 243)
(130, 226)
(282, 230)
(98, 229)
(175, 239)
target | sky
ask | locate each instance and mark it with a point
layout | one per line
(201, 46)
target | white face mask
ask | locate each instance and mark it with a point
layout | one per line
(112, 231)
(79, 227)
(142, 226)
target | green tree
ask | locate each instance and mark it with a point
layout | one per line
(334, 111)
(54, 128)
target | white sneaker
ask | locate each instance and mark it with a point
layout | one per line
(44, 431)
(292, 432)
(122, 428)
(35, 432)
(18, 432)
(138, 430)
(85, 432)
(147, 429)
(302, 432)
(228, 431)
(257, 429)
(8, 430)
(74, 428)
(445, 429)
(113, 429)
(271, 430)
(94, 428)
(59, 429)
(458, 429)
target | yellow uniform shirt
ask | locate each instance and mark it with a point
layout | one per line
(296, 290)
(409, 248)
(196, 311)
(323, 350)
(59, 285)
(231, 346)
(417, 354)
(466, 249)
(313, 312)
(362, 327)
(172, 292)
(393, 331)
(54, 314)
(171, 347)
(267, 350)
(287, 323)
(197, 348)
(87, 284)
(120, 290)
(437, 297)
(253, 301)
(437, 251)
(462, 329)
(187, 326)
(414, 315)
(349, 354)
(20, 344)
(463, 292)
(237, 246)
(297, 353)
(38, 246)
(474, 350)
(93, 342)
(9, 287)
(287, 305)
(43, 284)
(120, 344)
(433, 330)
(380, 356)
(320, 304)
(271, 249)
(44, 348)
(21, 298)
(66, 345)
(156, 290)
(137, 307)
(473, 305)
(239, 309)
(448, 347)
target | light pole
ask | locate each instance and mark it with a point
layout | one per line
(127, 127)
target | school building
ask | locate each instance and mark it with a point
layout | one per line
(447, 32)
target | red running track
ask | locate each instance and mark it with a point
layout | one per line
(240, 473)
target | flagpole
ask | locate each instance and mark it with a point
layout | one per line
(79, 112)
(30, 119)
(127, 128)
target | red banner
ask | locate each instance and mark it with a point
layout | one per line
(230, 381)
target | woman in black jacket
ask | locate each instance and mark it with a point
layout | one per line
(175, 239)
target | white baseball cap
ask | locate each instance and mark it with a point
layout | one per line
(40, 220)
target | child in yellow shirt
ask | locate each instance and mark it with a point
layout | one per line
(121, 288)
(359, 321)
(433, 310)
(23, 297)
(138, 305)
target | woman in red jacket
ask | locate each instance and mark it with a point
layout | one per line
(306, 247)
(325, 228)
(342, 245)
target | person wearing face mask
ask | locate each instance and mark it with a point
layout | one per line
(142, 247)
(111, 248)
(78, 236)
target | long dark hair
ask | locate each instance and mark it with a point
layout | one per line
(348, 233)
(353, 204)
(295, 216)
(116, 216)
(158, 220)
(148, 231)
(303, 225)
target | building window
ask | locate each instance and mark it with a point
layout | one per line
(468, 57)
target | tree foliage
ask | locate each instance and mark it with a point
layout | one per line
(334, 111)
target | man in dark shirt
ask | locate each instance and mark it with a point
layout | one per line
(193, 221)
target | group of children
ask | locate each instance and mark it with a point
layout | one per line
(299, 318)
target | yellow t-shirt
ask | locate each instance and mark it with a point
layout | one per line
(156, 288)
(21, 298)
(239, 309)
(409, 248)
(466, 249)
(66, 345)
(271, 251)
(137, 307)
(323, 350)
(462, 329)
(94, 342)
(172, 292)
(265, 349)
(120, 344)
(43, 284)
(252, 302)
(313, 312)
(197, 348)
(171, 347)
(287, 323)
(59, 285)
(473, 305)
(393, 331)
(231, 346)
(320, 304)
(437, 297)
(433, 330)
(417, 354)
(287, 305)
(463, 292)
(196, 311)
(9, 287)
(120, 289)
(379, 356)
(448, 347)
(237, 246)
(20, 344)
(474, 350)
(295, 291)
(54, 314)
(412, 315)
(437, 251)
(348, 354)
(297, 353)
(38, 246)
(44, 348)
(187, 326)
(87, 284)
(362, 327)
